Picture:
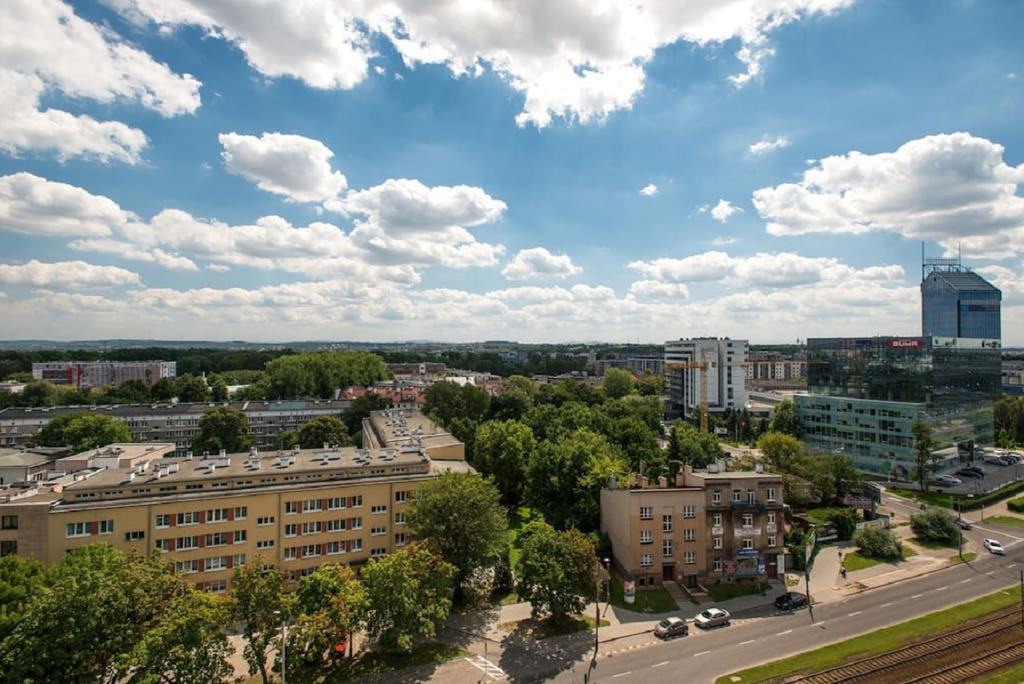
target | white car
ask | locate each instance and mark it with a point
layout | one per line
(949, 480)
(994, 546)
(712, 617)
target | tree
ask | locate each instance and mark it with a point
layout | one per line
(845, 521)
(258, 602)
(833, 477)
(187, 645)
(785, 419)
(695, 448)
(924, 445)
(878, 542)
(556, 570)
(218, 388)
(20, 579)
(321, 430)
(638, 445)
(510, 405)
(617, 383)
(502, 449)
(781, 450)
(409, 593)
(40, 393)
(459, 517)
(651, 385)
(191, 388)
(332, 605)
(936, 525)
(82, 431)
(446, 401)
(361, 408)
(222, 428)
(321, 374)
(163, 390)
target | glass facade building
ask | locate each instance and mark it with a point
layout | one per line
(959, 303)
(865, 393)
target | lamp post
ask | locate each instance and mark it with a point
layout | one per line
(284, 645)
(597, 616)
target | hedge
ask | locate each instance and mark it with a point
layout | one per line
(1016, 505)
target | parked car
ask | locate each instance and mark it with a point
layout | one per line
(712, 617)
(964, 525)
(996, 460)
(994, 546)
(791, 600)
(949, 480)
(671, 627)
(969, 472)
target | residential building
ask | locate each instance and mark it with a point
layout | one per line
(90, 374)
(295, 510)
(957, 302)
(644, 365)
(725, 362)
(865, 393)
(17, 465)
(708, 526)
(774, 370)
(405, 428)
(177, 423)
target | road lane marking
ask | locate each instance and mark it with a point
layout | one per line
(886, 605)
(701, 653)
(661, 664)
(917, 596)
(749, 641)
(1012, 565)
(856, 612)
(622, 674)
(943, 588)
(965, 581)
(788, 631)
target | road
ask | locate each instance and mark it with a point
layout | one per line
(703, 656)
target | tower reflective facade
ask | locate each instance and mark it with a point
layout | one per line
(957, 302)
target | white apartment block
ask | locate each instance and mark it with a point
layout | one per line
(90, 374)
(726, 374)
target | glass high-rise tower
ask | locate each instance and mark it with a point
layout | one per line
(957, 302)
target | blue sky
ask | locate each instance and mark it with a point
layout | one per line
(356, 170)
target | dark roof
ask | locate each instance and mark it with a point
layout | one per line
(961, 281)
(165, 409)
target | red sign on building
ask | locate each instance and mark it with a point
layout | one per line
(906, 342)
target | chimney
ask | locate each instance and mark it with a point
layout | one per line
(680, 478)
(223, 453)
(662, 482)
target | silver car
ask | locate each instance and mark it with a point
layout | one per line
(671, 627)
(712, 617)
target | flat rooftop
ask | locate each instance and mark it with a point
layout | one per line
(14, 458)
(168, 409)
(405, 426)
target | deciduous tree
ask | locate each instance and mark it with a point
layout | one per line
(617, 383)
(322, 430)
(225, 428)
(258, 603)
(502, 450)
(556, 570)
(785, 419)
(82, 431)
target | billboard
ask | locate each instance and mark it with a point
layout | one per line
(906, 343)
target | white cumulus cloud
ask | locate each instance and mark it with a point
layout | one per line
(649, 190)
(767, 144)
(65, 273)
(724, 210)
(538, 262)
(293, 166)
(37, 206)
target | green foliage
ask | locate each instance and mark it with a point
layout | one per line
(163, 390)
(20, 579)
(459, 517)
(937, 525)
(259, 604)
(502, 450)
(1016, 505)
(690, 446)
(785, 419)
(446, 401)
(651, 385)
(82, 431)
(556, 571)
(225, 428)
(1008, 420)
(617, 383)
(510, 405)
(191, 388)
(321, 430)
(320, 374)
(924, 446)
(218, 388)
(781, 450)
(41, 393)
(845, 521)
(332, 605)
(409, 593)
(880, 543)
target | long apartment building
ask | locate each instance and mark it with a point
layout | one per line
(725, 373)
(708, 526)
(177, 423)
(295, 509)
(89, 374)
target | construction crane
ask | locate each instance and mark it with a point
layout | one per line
(702, 366)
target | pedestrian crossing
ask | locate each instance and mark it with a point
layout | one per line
(487, 667)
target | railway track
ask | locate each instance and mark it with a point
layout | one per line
(973, 667)
(874, 666)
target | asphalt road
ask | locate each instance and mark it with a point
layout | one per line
(703, 656)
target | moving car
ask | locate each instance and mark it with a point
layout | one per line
(791, 600)
(949, 480)
(964, 525)
(994, 546)
(671, 627)
(712, 617)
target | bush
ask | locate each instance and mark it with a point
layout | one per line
(937, 525)
(1016, 505)
(878, 542)
(845, 521)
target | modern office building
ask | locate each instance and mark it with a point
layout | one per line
(957, 302)
(709, 526)
(725, 362)
(90, 374)
(865, 393)
(177, 423)
(1013, 376)
(296, 509)
(774, 370)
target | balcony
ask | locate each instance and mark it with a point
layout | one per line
(747, 505)
(747, 532)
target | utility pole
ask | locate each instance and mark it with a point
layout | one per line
(1022, 598)
(960, 530)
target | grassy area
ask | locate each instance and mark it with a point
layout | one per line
(820, 516)
(1012, 675)
(372, 663)
(856, 561)
(933, 545)
(517, 520)
(967, 503)
(724, 592)
(1006, 520)
(653, 600)
(876, 642)
(968, 557)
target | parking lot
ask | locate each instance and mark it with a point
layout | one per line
(995, 476)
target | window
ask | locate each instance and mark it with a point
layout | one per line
(290, 553)
(748, 543)
(770, 494)
(186, 567)
(8, 547)
(399, 518)
(355, 523)
(240, 536)
(312, 528)
(190, 518)
(357, 501)
(78, 530)
(716, 520)
(646, 513)
(717, 565)
(356, 545)
(751, 496)
(666, 548)
(106, 527)
(184, 543)
(162, 545)
(646, 536)
(216, 563)
(335, 547)
(135, 535)
(717, 543)
(690, 557)
(378, 531)
(265, 544)
(689, 534)
(265, 521)
(217, 586)
(337, 525)
(646, 560)
(771, 540)
(771, 517)
(381, 508)
(400, 497)
(291, 530)
(310, 551)
(378, 553)
(748, 520)
(689, 511)
(400, 539)
(737, 495)
(666, 523)
(716, 496)
(241, 512)
(163, 521)
(217, 539)
(291, 507)
(217, 515)
(311, 505)
(8, 522)
(336, 503)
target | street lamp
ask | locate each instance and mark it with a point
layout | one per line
(597, 616)
(284, 645)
